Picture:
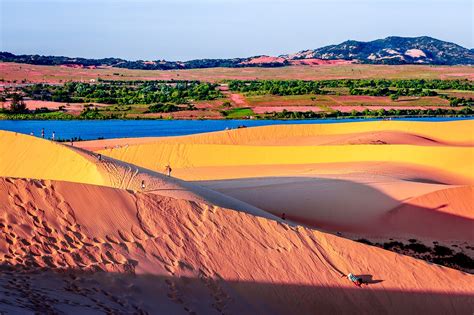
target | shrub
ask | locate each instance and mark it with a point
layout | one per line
(163, 108)
(390, 245)
(364, 241)
(442, 250)
(17, 105)
(418, 248)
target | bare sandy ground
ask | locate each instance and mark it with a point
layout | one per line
(78, 248)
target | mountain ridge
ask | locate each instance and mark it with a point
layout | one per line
(393, 50)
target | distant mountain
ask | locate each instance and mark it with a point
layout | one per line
(390, 50)
(393, 50)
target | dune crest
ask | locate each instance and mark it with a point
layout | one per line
(54, 161)
(375, 132)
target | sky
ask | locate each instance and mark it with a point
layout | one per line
(194, 29)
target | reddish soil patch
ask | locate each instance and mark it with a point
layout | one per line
(72, 108)
(347, 109)
(279, 109)
(238, 100)
(208, 104)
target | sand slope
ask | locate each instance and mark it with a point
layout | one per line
(186, 158)
(55, 161)
(329, 176)
(180, 256)
(446, 214)
(376, 132)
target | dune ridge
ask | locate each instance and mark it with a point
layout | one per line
(375, 132)
(54, 161)
(196, 257)
(190, 156)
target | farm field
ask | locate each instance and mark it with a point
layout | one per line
(56, 74)
(84, 93)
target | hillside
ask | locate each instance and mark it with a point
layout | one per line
(390, 50)
(394, 50)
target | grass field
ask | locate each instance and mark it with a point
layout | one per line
(10, 72)
(342, 100)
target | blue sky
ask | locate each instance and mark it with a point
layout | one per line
(187, 29)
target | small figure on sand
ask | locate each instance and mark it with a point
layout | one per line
(143, 185)
(168, 170)
(53, 136)
(99, 157)
(32, 133)
(283, 216)
(356, 280)
(42, 133)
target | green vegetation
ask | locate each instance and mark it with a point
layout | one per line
(17, 104)
(37, 116)
(392, 88)
(163, 108)
(124, 92)
(371, 113)
(440, 255)
(237, 113)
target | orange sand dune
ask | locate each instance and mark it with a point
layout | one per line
(156, 156)
(429, 215)
(30, 157)
(362, 205)
(146, 252)
(378, 132)
(336, 186)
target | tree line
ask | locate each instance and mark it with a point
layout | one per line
(124, 93)
(373, 87)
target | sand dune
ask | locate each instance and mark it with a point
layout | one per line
(310, 173)
(376, 132)
(179, 256)
(188, 157)
(362, 206)
(29, 157)
(446, 214)
(84, 236)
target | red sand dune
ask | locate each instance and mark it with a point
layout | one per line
(144, 253)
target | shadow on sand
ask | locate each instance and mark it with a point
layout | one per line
(71, 291)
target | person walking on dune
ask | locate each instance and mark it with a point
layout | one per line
(53, 136)
(355, 280)
(168, 170)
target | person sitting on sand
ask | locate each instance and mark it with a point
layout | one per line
(356, 280)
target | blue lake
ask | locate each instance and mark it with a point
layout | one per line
(93, 129)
